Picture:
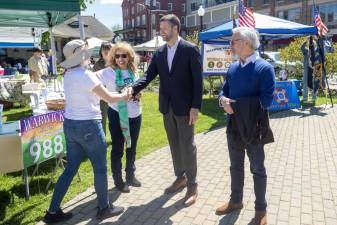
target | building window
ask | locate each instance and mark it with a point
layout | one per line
(182, 20)
(328, 12)
(194, 6)
(138, 20)
(265, 2)
(169, 6)
(153, 19)
(157, 5)
(143, 19)
(184, 7)
(133, 23)
(294, 15)
(250, 3)
(132, 10)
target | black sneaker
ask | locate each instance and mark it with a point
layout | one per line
(133, 181)
(123, 187)
(59, 216)
(109, 212)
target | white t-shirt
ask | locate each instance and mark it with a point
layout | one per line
(108, 79)
(81, 102)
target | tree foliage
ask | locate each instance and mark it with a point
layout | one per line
(293, 53)
(194, 38)
(83, 3)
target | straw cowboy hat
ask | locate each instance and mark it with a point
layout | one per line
(76, 51)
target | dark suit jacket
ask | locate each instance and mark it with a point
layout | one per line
(182, 86)
(250, 122)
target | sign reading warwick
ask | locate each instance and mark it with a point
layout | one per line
(42, 137)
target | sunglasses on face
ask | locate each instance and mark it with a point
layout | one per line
(123, 56)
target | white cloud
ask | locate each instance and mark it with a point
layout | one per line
(111, 1)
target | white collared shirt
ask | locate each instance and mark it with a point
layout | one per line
(171, 51)
(251, 58)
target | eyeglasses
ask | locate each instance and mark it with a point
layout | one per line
(123, 56)
(235, 40)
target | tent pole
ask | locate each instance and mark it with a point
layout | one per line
(53, 51)
(80, 25)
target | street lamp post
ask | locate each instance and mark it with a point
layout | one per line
(201, 13)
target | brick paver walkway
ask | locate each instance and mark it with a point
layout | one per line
(302, 179)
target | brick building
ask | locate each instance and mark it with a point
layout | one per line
(141, 18)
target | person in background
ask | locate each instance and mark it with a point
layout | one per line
(246, 95)
(83, 130)
(99, 65)
(37, 66)
(50, 62)
(284, 74)
(124, 119)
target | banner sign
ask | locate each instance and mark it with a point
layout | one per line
(42, 137)
(216, 58)
(285, 96)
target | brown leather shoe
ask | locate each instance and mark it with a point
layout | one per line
(191, 195)
(260, 218)
(178, 184)
(228, 208)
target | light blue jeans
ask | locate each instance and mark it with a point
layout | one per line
(83, 137)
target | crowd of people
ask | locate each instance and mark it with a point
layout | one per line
(246, 94)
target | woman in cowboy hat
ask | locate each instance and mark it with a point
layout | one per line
(83, 130)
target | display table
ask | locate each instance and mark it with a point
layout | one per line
(285, 96)
(11, 154)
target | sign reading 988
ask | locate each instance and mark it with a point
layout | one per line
(37, 152)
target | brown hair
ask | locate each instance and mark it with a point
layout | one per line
(124, 46)
(172, 19)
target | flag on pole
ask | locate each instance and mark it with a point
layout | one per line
(322, 29)
(246, 16)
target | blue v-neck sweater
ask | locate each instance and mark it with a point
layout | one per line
(255, 79)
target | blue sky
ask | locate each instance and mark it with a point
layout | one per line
(109, 12)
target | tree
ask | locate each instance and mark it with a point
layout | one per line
(293, 53)
(83, 3)
(116, 27)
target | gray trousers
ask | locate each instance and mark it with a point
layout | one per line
(183, 150)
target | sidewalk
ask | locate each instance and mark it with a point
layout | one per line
(302, 179)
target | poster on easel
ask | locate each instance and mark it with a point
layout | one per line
(216, 58)
(42, 137)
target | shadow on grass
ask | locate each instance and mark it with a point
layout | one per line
(5, 199)
(210, 107)
(18, 217)
(36, 186)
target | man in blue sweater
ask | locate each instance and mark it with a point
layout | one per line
(249, 76)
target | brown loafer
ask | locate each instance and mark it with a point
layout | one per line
(178, 184)
(228, 208)
(260, 218)
(191, 195)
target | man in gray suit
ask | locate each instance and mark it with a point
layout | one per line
(178, 64)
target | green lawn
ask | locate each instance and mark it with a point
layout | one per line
(14, 209)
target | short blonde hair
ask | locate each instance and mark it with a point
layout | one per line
(124, 46)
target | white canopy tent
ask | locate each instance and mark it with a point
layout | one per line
(19, 37)
(150, 46)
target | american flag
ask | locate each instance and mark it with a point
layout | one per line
(246, 16)
(322, 29)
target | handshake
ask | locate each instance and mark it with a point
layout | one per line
(127, 94)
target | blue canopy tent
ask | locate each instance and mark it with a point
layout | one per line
(269, 28)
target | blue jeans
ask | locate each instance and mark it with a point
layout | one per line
(83, 137)
(256, 158)
(118, 144)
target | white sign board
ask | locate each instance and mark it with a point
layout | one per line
(216, 58)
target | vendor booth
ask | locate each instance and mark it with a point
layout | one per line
(33, 140)
(217, 57)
